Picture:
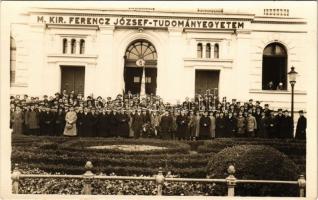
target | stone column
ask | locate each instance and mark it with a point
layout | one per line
(204, 50)
(212, 50)
(69, 46)
(77, 46)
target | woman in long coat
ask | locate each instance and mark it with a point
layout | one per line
(70, 126)
(32, 121)
(131, 131)
(17, 121)
(174, 124)
(155, 121)
(212, 127)
(197, 124)
(192, 125)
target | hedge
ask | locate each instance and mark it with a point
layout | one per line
(256, 162)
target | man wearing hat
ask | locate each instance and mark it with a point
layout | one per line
(278, 123)
(267, 110)
(48, 119)
(250, 103)
(205, 123)
(301, 126)
(137, 123)
(287, 126)
(251, 125)
(182, 125)
(123, 124)
(220, 125)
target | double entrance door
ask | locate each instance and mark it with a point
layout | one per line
(73, 79)
(206, 80)
(133, 79)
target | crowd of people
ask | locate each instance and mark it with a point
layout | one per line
(203, 117)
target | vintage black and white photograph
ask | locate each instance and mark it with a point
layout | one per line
(159, 98)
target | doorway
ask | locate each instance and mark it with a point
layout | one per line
(73, 79)
(206, 80)
(140, 56)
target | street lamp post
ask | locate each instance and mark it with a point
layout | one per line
(292, 80)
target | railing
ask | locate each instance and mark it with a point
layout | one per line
(89, 176)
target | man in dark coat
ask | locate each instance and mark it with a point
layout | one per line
(48, 122)
(278, 124)
(41, 122)
(182, 125)
(205, 123)
(267, 110)
(94, 122)
(86, 126)
(103, 123)
(123, 126)
(113, 123)
(59, 122)
(230, 126)
(258, 116)
(287, 126)
(137, 123)
(301, 126)
(272, 129)
(263, 126)
(165, 125)
(220, 126)
(79, 122)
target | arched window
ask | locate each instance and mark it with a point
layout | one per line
(13, 50)
(73, 46)
(216, 50)
(274, 67)
(82, 46)
(199, 50)
(64, 45)
(208, 50)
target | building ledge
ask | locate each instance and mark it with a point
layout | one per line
(18, 85)
(275, 92)
(72, 56)
(208, 62)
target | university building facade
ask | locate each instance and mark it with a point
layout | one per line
(241, 55)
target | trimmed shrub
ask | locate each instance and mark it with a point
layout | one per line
(254, 162)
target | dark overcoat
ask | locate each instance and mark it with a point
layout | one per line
(123, 125)
(301, 128)
(205, 123)
(137, 123)
(182, 126)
